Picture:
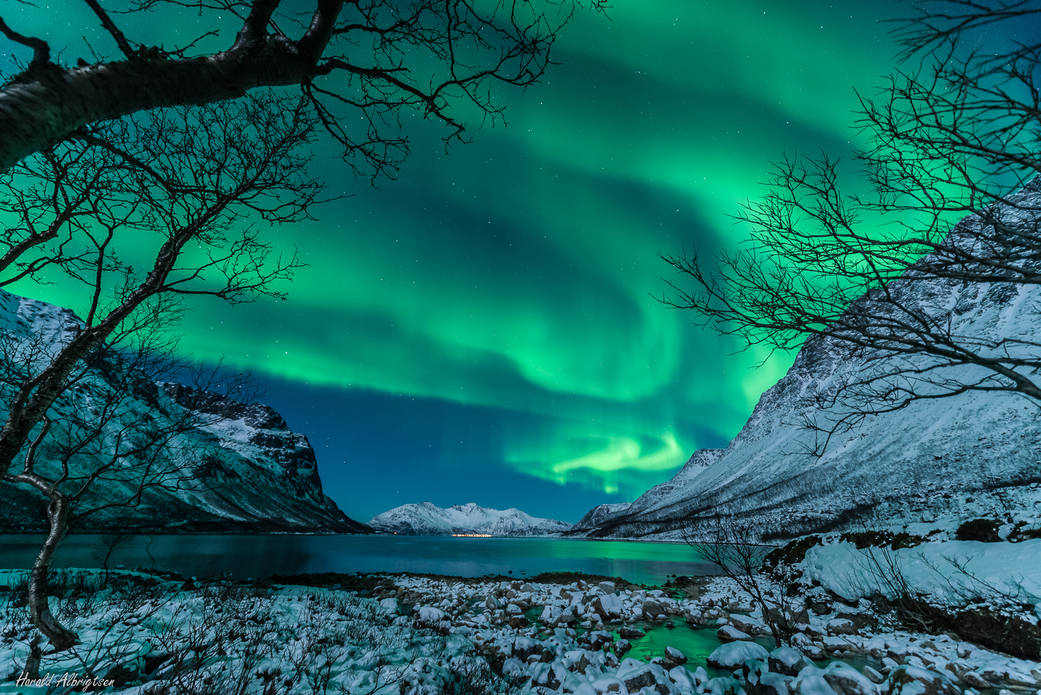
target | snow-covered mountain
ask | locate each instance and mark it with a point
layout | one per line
(599, 514)
(427, 519)
(224, 466)
(945, 459)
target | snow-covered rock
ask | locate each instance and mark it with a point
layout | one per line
(729, 633)
(943, 459)
(737, 654)
(674, 655)
(787, 660)
(427, 519)
(847, 680)
(225, 466)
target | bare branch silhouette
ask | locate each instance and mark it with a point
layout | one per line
(954, 202)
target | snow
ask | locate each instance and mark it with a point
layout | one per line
(237, 465)
(732, 634)
(429, 614)
(674, 655)
(932, 464)
(428, 519)
(424, 635)
(850, 680)
(811, 682)
(735, 654)
(787, 657)
(947, 571)
(600, 513)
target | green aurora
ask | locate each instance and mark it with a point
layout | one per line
(517, 274)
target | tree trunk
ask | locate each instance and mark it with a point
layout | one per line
(39, 605)
(47, 104)
(31, 670)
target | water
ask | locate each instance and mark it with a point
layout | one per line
(258, 556)
(696, 643)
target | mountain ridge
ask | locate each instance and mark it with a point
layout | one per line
(235, 467)
(967, 455)
(427, 519)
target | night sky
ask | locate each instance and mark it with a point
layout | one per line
(484, 328)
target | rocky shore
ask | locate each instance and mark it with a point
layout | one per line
(406, 634)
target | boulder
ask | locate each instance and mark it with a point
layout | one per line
(908, 680)
(675, 656)
(607, 606)
(551, 676)
(810, 681)
(847, 680)
(788, 660)
(653, 609)
(735, 654)
(598, 639)
(873, 674)
(974, 679)
(683, 679)
(550, 614)
(749, 625)
(607, 686)
(636, 676)
(772, 684)
(576, 660)
(729, 633)
(523, 647)
(430, 614)
(723, 686)
(840, 626)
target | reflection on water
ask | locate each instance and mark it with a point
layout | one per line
(696, 643)
(259, 556)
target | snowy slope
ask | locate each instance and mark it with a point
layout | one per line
(934, 462)
(599, 514)
(427, 519)
(235, 466)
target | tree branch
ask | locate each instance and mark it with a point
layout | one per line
(111, 28)
(41, 49)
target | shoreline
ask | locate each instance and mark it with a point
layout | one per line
(375, 534)
(564, 633)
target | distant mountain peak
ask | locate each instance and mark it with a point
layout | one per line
(427, 519)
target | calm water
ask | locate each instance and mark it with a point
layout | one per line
(260, 556)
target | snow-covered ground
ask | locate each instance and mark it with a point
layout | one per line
(947, 572)
(402, 634)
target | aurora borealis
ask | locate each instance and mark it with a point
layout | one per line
(484, 328)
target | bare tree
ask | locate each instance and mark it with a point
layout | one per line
(736, 550)
(142, 213)
(952, 202)
(360, 64)
(100, 150)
